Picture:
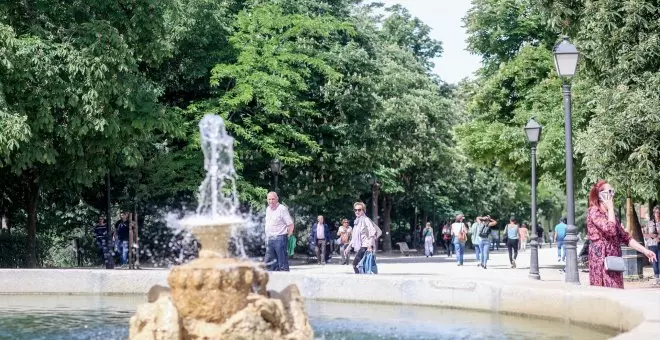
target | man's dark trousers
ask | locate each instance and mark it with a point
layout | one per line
(277, 251)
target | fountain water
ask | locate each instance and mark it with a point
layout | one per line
(218, 296)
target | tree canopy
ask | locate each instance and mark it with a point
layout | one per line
(342, 92)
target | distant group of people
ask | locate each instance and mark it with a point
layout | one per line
(360, 238)
(605, 235)
(482, 235)
(119, 238)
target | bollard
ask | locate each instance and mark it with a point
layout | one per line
(634, 262)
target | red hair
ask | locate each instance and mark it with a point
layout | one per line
(594, 200)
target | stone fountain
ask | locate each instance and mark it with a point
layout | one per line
(218, 296)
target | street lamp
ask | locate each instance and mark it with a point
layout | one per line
(566, 59)
(533, 132)
(276, 168)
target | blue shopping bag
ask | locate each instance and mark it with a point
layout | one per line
(368, 264)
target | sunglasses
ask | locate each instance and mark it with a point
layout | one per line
(610, 191)
(356, 210)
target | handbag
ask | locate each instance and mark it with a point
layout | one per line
(368, 264)
(615, 264)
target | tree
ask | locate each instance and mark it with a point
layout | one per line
(88, 99)
(498, 29)
(618, 42)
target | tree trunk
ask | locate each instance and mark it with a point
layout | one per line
(375, 191)
(636, 228)
(387, 222)
(31, 200)
(632, 222)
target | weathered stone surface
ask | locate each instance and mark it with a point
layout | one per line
(158, 320)
(156, 292)
(262, 318)
(294, 305)
(213, 289)
(220, 298)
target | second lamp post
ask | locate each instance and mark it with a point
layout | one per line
(276, 168)
(533, 132)
(566, 59)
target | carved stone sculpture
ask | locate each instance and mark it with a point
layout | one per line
(217, 297)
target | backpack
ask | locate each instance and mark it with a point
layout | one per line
(561, 233)
(462, 235)
(484, 230)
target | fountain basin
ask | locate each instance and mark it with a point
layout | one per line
(634, 314)
(56, 317)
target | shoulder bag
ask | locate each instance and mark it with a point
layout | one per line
(614, 264)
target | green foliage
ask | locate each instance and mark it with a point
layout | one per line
(498, 29)
(340, 92)
(411, 34)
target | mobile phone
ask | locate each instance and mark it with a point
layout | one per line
(604, 196)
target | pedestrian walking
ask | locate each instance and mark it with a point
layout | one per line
(122, 228)
(344, 234)
(560, 234)
(101, 237)
(524, 234)
(459, 237)
(363, 237)
(652, 238)
(484, 231)
(512, 232)
(429, 239)
(320, 236)
(476, 240)
(279, 226)
(495, 239)
(446, 238)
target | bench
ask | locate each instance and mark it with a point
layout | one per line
(403, 246)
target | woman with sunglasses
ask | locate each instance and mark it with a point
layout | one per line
(606, 236)
(364, 235)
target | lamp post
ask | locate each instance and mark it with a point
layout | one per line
(533, 132)
(566, 59)
(276, 168)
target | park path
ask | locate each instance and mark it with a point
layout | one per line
(499, 269)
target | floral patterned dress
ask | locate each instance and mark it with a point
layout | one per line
(606, 239)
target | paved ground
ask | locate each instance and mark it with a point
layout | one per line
(499, 268)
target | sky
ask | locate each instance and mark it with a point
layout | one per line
(445, 18)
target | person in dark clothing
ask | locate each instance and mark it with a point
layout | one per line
(320, 235)
(100, 236)
(122, 228)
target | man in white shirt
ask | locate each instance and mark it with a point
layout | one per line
(320, 234)
(279, 225)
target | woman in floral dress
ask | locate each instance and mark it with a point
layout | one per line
(606, 236)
